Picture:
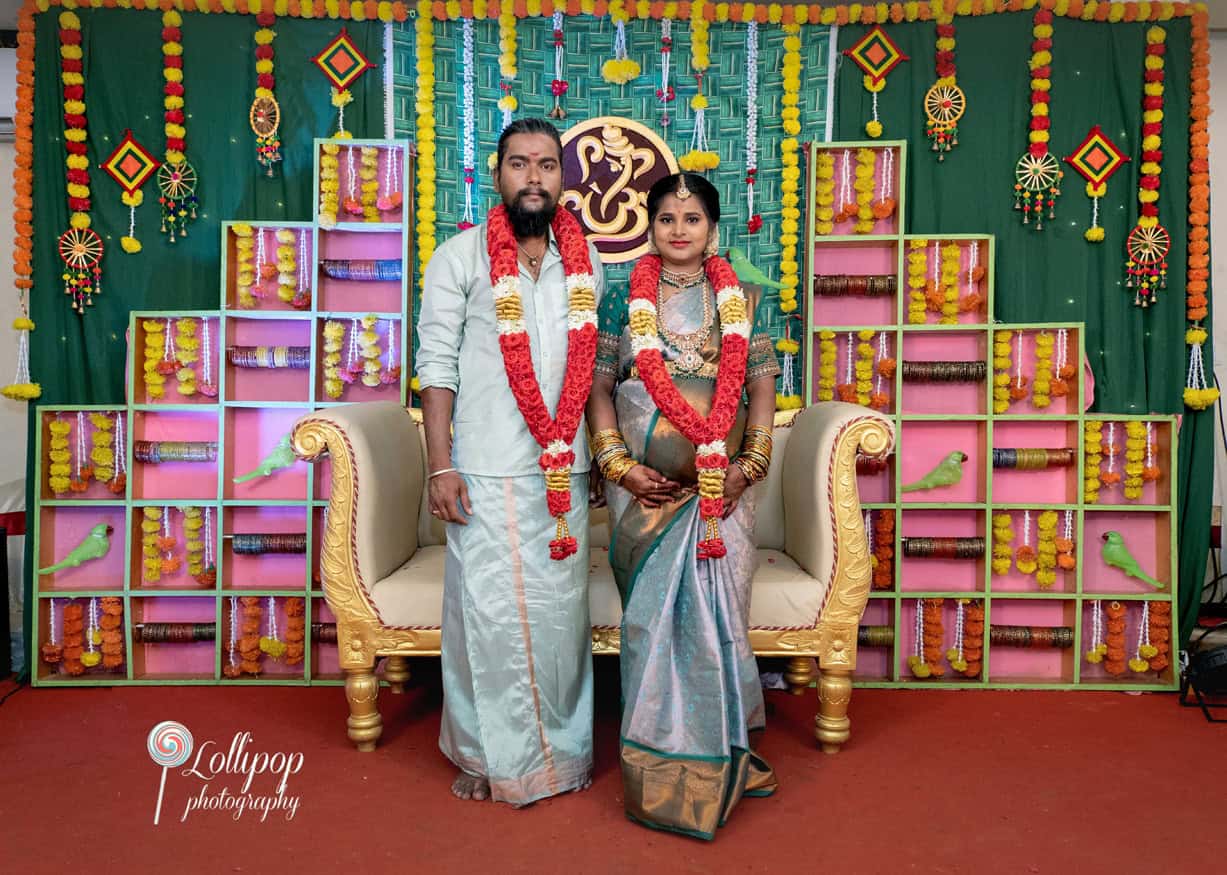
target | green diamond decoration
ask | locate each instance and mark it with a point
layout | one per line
(342, 62)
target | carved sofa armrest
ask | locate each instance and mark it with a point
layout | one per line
(378, 473)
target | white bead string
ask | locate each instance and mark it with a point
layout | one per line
(973, 261)
(391, 344)
(560, 51)
(869, 530)
(1111, 441)
(849, 372)
(121, 448)
(256, 288)
(788, 376)
(920, 630)
(234, 630)
(1068, 530)
(351, 354)
(469, 117)
(751, 110)
(845, 179)
(168, 342)
(666, 33)
(1150, 445)
(958, 630)
(208, 537)
(304, 275)
(206, 353)
(93, 624)
(1096, 624)
(1018, 360)
(272, 619)
(52, 631)
(80, 460)
(393, 160)
(1026, 528)
(886, 184)
(881, 355)
(351, 176)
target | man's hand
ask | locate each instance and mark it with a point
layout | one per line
(650, 487)
(448, 495)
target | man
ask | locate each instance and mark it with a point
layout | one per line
(516, 650)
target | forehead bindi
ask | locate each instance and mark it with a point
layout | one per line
(670, 205)
(532, 147)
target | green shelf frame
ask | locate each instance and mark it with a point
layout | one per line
(987, 423)
(227, 319)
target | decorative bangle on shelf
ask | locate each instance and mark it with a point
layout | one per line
(875, 636)
(155, 452)
(943, 548)
(871, 286)
(1038, 637)
(277, 542)
(173, 633)
(945, 372)
(294, 357)
(1033, 458)
(363, 270)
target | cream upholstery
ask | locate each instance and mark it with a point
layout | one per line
(383, 553)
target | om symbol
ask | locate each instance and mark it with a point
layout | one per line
(608, 165)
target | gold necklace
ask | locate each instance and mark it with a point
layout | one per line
(681, 280)
(689, 346)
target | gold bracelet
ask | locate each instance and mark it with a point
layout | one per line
(607, 438)
(618, 468)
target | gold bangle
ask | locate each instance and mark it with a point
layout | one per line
(607, 438)
(618, 468)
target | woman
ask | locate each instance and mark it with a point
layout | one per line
(676, 358)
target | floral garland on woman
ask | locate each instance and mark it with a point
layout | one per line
(554, 435)
(706, 433)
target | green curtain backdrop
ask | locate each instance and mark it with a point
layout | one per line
(589, 43)
(80, 360)
(1054, 275)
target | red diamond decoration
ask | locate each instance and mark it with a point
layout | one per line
(130, 164)
(342, 62)
(1097, 157)
(876, 54)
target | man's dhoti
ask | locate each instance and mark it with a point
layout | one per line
(516, 642)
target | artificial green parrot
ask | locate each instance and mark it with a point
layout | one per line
(948, 472)
(1116, 554)
(747, 272)
(96, 545)
(281, 457)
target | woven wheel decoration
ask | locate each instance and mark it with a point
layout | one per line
(265, 120)
(1035, 176)
(177, 187)
(1147, 267)
(944, 106)
(81, 251)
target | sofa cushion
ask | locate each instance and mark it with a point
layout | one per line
(783, 595)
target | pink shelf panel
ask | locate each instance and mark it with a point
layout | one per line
(855, 258)
(266, 276)
(906, 639)
(178, 579)
(1096, 673)
(356, 390)
(267, 570)
(873, 663)
(194, 660)
(251, 435)
(1054, 485)
(206, 364)
(174, 480)
(1153, 491)
(972, 288)
(951, 398)
(63, 529)
(941, 575)
(1066, 404)
(1146, 537)
(1015, 580)
(381, 296)
(267, 384)
(1031, 664)
(325, 659)
(95, 490)
(845, 165)
(923, 445)
(271, 668)
(846, 376)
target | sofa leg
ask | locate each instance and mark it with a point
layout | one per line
(799, 674)
(396, 672)
(365, 724)
(834, 692)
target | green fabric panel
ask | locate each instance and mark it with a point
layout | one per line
(1054, 275)
(80, 360)
(589, 43)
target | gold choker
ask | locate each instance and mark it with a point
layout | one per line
(682, 280)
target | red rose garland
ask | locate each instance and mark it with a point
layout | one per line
(553, 434)
(707, 434)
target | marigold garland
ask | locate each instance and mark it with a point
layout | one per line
(973, 638)
(1148, 245)
(824, 193)
(1198, 393)
(1002, 365)
(1092, 447)
(368, 174)
(885, 366)
(1038, 173)
(945, 101)
(151, 556)
(1003, 536)
(826, 365)
(706, 433)
(866, 169)
(23, 387)
(295, 630)
(102, 446)
(187, 353)
(426, 148)
(330, 185)
(177, 198)
(244, 265)
(790, 211)
(193, 523)
(917, 267)
(1160, 634)
(1041, 389)
(864, 366)
(1046, 549)
(334, 337)
(250, 655)
(883, 549)
(1067, 560)
(1135, 452)
(926, 662)
(952, 254)
(111, 637)
(268, 145)
(554, 434)
(700, 158)
(72, 637)
(1114, 646)
(59, 457)
(155, 350)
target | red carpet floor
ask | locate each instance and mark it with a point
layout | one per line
(967, 782)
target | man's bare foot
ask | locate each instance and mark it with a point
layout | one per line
(584, 786)
(468, 786)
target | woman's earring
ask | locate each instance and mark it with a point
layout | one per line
(652, 250)
(712, 247)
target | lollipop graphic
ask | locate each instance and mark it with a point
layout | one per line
(170, 744)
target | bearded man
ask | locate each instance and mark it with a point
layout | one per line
(506, 344)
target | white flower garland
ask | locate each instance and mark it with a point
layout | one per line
(751, 115)
(469, 115)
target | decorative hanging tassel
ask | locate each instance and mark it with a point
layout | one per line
(23, 387)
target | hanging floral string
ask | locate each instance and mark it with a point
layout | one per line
(295, 630)
(1037, 176)
(864, 366)
(619, 69)
(1142, 650)
(193, 524)
(265, 115)
(884, 549)
(1046, 549)
(102, 446)
(754, 221)
(334, 335)
(866, 169)
(506, 61)
(1092, 447)
(176, 177)
(952, 256)
(368, 174)
(1062, 371)
(1135, 453)
(155, 349)
(81, 472)
(206, 386)
(208, 574)
(973, 301)
(700, 158)
(884, 206)
(391, 199)
(559, 84)
(330, 185)
(119, 480)
(945, 101)
(788, 346)
(790, 211)
(1003, 536)
(1149, 242)
(847, 389)
(272, 643)
(824, 193)
(917, 267)
(1095, 653)
(1041, 389)
(351, 204)
(1001, 370)
(847, 202)
(826, 365)
(249, 637)
(425, 167)
(1018, 386)
(1114, 651)
(187, 353)
(955, 654)
(1066, 559)
(1150, 471)
(151, 556)
(390, 374)
(876, 54)
(231, 668)
(1160, 634)
(885, 367)
(468, 147)
(1025, 558)
(23, 387)
(665, 93)
(1111, 449)
(1198, 393)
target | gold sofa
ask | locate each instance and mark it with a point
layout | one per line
(382, 554)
